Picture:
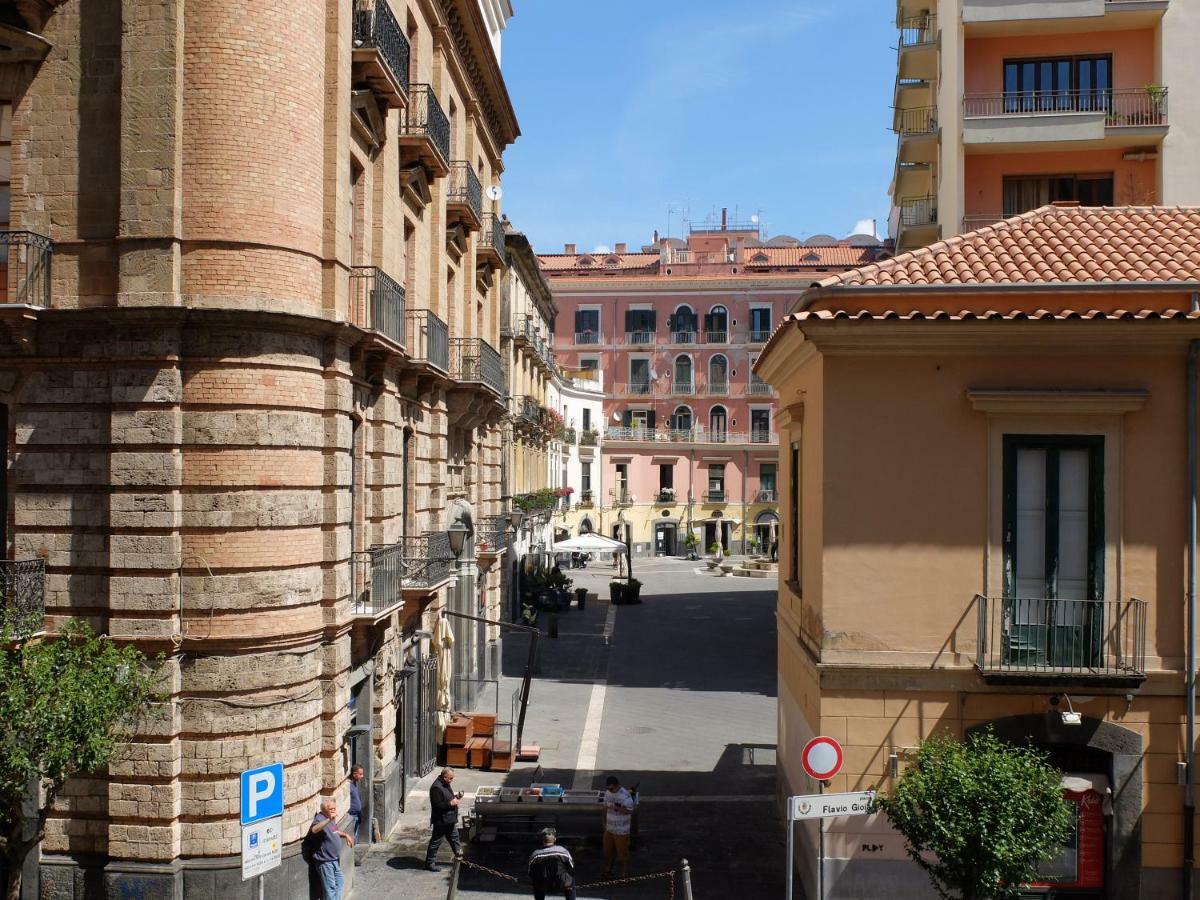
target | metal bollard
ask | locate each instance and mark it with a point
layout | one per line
(687, 880)
(452, 891)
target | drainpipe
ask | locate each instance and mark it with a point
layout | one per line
(1189, 797)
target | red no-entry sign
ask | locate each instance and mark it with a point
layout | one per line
(822, 758)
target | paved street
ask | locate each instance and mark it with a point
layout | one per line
(680, 698)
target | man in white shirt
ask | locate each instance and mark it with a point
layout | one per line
(619, 805)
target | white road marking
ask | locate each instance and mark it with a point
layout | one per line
(735, 798)
(589, 742)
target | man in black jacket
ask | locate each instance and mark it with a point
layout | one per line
(551, 868)
(443, 815)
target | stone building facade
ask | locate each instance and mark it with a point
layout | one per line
(252, 297)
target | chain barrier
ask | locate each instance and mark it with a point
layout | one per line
(669, 875)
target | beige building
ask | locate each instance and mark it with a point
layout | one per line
(985, 498)
(1002, 106)
(252, 298)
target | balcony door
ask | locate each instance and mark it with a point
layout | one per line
(1060, 84)
(1023, 193)
(1053, 550)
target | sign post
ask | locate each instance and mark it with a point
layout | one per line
(822, 759)
(262, 822)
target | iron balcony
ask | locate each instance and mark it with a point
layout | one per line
(418, 564)
(1121, 107)
(666, 495)
(716, 337)
(716, 496)
(490, 247)
(464, 196)
(23, 582)
(766, 495)
(759, 337)
(475, 361)
(682, 388)
(760, 389)
(639, 337)
(378, 301)
(587, 337)
(1060, 642)
(683, 337)
(25, 263)
(425, 132)
(917, 121)
(588, 437)
(428, 339)
(381, 51)
(491, 536)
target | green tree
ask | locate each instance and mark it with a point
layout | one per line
(68, 704)
(979, 816)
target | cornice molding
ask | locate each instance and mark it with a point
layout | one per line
(464, 36)
(1054, 401)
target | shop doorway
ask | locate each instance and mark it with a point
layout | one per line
(665, 539)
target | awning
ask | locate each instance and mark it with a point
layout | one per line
(590, 543)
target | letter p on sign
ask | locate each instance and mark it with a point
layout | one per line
(262, 793)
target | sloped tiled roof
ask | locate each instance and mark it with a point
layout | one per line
(991, 314)
(561, 262)
(1052, 245)
(811, 257)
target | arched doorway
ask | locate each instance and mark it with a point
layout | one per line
(762, 530)
(683, 374)
(681, 420)
(717, 426)
(585, 526)
(683, 325)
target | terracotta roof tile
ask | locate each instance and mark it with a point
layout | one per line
(1052, 245)
(812, 257)
(827, 315)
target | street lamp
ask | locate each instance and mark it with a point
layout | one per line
(457, 534)
(515, 518)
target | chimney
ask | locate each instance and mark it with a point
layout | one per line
(724, 217)
(656, 235)
(622, 247)
(568, 248)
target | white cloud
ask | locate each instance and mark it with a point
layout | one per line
(865, 226)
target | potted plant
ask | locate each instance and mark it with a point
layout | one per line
(633, 591)
(691, 542)
(616, 591)
(581, 597)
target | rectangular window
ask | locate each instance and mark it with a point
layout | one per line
(1062, 84)
(585, 478)
(622, 485)
(766, 481)
(587, 419)
(640, 321)
(760, 426)
(666, 476)
(716, 483)
(589, 365)
(794, 513)
(760, 323)
(587, 322)
(1053, 549)
(639, 375)
(1023, 193)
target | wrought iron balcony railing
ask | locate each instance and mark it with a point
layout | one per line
(689, 435)
(428, 339)
(638, 388)
(1122, 107)
(491, 535)
(585, 499)
(766, 495)
(759, 337)
(491, 237)
(760, 435)
(425, 117)
(717, 388)
(375, 27)
(917, 121)
(716, 496)
(917, 31)
(474, 360)
(1056, 641)
(465, 189)
(25, 263)
(666, 495)
(621, 496)
(378, 301)
(680, 388)
(716, 337)
(587, 337)
(759, 389)
(23, 597)
(918, 211)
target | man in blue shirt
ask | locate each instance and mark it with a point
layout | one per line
(327, 854)
(355, 810)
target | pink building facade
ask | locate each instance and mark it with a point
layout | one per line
(691, 445)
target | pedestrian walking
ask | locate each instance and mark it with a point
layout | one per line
(355, 811)
(619, 805)
(552, 868)
(327, 855)
(443, 816)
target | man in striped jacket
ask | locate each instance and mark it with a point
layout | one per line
(551, 868)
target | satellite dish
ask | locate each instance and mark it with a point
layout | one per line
(494, 192)
(616, 416)
(754, 218)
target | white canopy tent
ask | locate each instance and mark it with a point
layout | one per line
(594, 543)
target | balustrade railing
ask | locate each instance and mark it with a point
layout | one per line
(475, 360)
(378, 301)
(425, 117)
(25, 266)
(759, 389)
(375, 26)
(428, 338)
(465, 188)
(1120, 107)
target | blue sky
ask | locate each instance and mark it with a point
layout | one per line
(629, 107)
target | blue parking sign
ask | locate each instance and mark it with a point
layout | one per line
(262, 793)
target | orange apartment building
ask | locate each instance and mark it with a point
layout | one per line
(988, 457)
(248, 384)
(1002, 106)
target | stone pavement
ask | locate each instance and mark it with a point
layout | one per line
(682, 701)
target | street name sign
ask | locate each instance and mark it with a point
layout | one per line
(262, 793)
(826, 806)
(822, 758)
(262, 847)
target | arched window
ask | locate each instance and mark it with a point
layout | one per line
(684, 325)
(717, 420)
(718, 375)
(716, 325)
(681, 419)
(585, 526)
(683, 374)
